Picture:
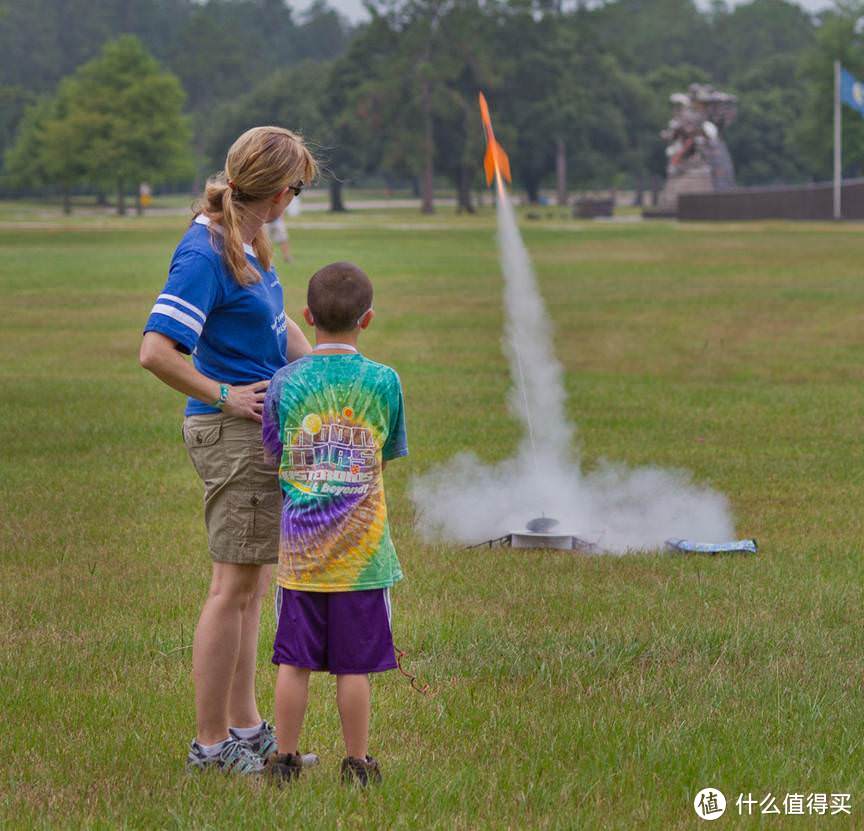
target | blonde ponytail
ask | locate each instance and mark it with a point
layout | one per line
(260, 164)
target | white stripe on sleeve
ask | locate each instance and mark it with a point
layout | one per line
(182, 302)
(180, 317)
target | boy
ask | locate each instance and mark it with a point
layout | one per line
(333, 419)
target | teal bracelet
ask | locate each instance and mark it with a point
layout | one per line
(224, 389)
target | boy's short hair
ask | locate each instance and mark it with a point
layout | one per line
(338, 296)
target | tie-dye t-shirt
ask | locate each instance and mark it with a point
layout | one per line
(331, 420)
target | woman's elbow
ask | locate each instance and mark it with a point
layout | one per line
(146, 355)
(152, 349)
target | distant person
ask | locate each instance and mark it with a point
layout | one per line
(279, 233)
(333, 419)
(145, 195)
(279, 236)
(223, 304)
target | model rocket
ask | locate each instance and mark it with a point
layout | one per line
(495, 162)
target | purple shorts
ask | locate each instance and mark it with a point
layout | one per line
(344, 633)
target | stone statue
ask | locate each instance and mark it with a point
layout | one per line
(698, 159)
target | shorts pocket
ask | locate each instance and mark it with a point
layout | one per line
(254, 514)
(202, 435)
(201, 440)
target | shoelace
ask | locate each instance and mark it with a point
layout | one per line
(266, 740)
(237, 753)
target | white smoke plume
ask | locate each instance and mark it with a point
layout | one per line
(620, 509)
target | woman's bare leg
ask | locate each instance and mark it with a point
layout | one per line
(242, 706)
(217, 644)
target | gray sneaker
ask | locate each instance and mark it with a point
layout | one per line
(264, 744)
(235, 757)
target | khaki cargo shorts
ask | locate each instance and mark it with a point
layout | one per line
(242, 499)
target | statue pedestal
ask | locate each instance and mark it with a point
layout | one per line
(694, 180)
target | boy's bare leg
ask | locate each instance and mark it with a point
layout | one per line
(354, 699)
(216, 646)
(292, 693)
(242, 707)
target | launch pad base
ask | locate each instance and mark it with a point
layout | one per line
(534, 539)
(569, 542)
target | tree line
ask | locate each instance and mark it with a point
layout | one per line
(574, 88)
(156, 69)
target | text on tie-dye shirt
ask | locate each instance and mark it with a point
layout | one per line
(331, 420)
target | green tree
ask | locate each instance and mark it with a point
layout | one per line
(323, 33)
(838, 40)
(377, 109)
(329, 103)
(526, 102)
(116, 121)
(356, 126)
(404, 98)
(752, 33)
(130, 111)
(67, 141)
(771, 103)
(570, 106)
(50, 148)
(290, 97)
(664, 80)
(423, 100)
(14, 101)
(25, 159)
(646, 34)
(462, 63)
(576, 88)
(219, 48)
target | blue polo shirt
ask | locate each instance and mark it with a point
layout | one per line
(235, 334)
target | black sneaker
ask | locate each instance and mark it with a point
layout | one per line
(284, 767)
(360, 772)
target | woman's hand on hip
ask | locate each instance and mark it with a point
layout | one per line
(246, 402)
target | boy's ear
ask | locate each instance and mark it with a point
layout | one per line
(366, 319)
(307, 316)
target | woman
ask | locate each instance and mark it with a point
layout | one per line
(223, 305)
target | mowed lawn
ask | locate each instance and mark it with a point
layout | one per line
(569, 691)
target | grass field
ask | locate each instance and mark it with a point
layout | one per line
(569, 691)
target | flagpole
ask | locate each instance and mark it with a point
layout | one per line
(838, 149)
